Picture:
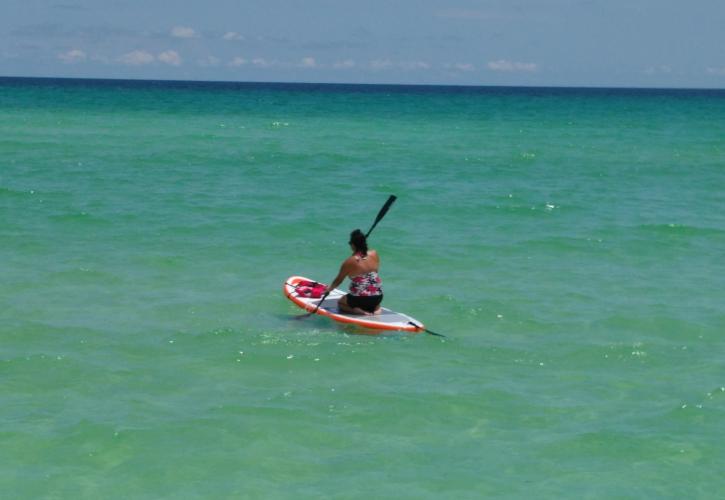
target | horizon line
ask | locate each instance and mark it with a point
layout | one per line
(361, 84)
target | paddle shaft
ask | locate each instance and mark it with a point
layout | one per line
(381, 214)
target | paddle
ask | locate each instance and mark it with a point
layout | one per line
(426, 330)
(380, 216)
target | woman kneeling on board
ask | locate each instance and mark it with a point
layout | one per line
(366, 292)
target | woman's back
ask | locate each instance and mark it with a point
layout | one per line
(366, 292)
(360, 264)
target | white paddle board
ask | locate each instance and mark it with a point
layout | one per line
(386, 320)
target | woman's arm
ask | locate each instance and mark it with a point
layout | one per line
(339, 278)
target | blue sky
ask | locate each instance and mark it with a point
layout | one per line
(643, 43)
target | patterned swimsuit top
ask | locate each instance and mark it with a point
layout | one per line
(366, 284)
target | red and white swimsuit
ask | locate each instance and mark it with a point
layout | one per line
(366, 285)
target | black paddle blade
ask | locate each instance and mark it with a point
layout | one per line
(382, 213)
(426, 330)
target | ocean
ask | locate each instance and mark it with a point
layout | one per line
(568, 242)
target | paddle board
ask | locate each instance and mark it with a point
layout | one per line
(386, 320)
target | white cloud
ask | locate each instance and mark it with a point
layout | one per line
(183, 32)
(137, 58)
(415, 65)
(170, 57)
(383, 64)
(463, 66)
(100, 59)
(653, 70)
(504, 65)
(262, 63)
(209, 61)
(380, 64)
(232, 35)
(716, 71)
(308, 62)
(72, 56)
(346, 64)
(236, 62)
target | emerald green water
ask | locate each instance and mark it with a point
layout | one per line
(568, 242)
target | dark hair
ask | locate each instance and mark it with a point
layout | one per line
(358, 240)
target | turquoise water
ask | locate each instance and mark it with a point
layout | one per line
(568, 242)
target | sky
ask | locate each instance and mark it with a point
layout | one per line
(601, 43)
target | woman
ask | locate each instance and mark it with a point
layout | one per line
(366, 292)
